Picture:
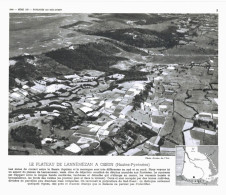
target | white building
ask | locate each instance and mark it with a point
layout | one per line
(73, 148)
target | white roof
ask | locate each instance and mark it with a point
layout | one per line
(87, 104)
(106, 125)
(147, 104)
(122, 116)
(20, 116)
(85, 140)
(142, 105)
(46, 139)
(73, 148)
(171, 68)
(113, 116)
(182, 30)
(44, 112)
(25, 87)
(118, 99)
(215, 116)
(86, 109)
(38, 87)
(15, 95)
(55, 87)
(108, 104)
(58, 106)
(90, 114)
(169, 100)
(169, 91)
(216, 100)
(103, 132)
(96, 114)
(71, 76)
(84, 146)
(132, 89)
(126, 109)
(15, 89)
(93, 98)
(210, 132)
(76, 79)
(71, 47)
(106, 112)
(158, 78)
(101, 103)
(12, 62)
(25, 93)
(65, 104)
(56, 114)
(49, 79)
(162, 106)
(204, 114)
(148, 126)
(198, 129)
(94, 129)
(92, 125)
(144, 70)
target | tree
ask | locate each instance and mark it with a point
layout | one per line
(106, 145)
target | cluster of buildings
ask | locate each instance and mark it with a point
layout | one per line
(202, 130)
(106, 115)
(190, 26)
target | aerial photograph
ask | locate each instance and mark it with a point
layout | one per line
(113, 84)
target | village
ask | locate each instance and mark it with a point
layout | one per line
(167, 102)
(99, 115)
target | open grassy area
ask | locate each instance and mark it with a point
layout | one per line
(183, 109)
(176, 134)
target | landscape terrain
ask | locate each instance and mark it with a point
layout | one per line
(112, 84)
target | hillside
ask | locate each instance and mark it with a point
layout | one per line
(143, 38)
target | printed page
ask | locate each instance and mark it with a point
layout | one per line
(117, 94)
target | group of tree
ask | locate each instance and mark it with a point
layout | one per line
(67, 120)
(142, 96)
(23, 71)
(201, 123)
(28, 134)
